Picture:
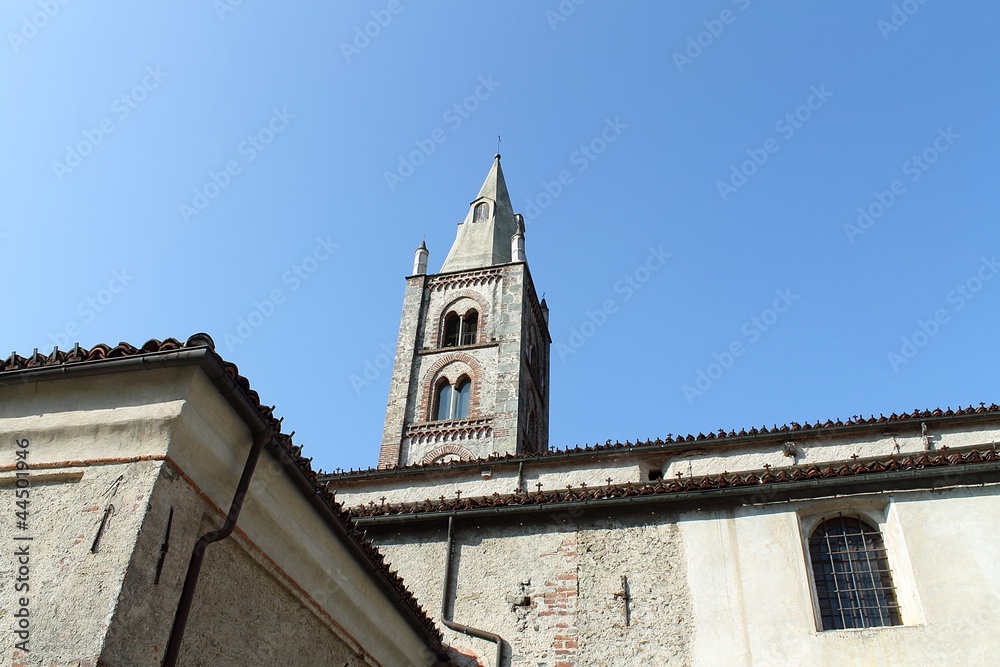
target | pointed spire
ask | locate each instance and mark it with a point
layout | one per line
(484, 237)
(494, 187)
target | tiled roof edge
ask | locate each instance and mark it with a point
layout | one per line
(101, 352)
(755, 478)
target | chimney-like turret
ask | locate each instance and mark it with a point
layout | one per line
(517, 241)
(420, 260)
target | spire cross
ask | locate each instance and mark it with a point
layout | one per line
(498, 144)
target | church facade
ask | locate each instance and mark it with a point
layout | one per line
(868, 542)
(157, 514)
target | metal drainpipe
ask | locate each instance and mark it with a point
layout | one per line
(198, 553)
(520, 477)
(458, 627)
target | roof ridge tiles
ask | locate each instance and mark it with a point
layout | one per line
(715, 481)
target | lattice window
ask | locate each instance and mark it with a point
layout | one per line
(851, 571)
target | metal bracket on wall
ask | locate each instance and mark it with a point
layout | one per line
(626, 598)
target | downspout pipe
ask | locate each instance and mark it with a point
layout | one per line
(446, 596)
(198, 553)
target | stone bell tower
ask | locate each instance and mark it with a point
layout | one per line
(471, 374)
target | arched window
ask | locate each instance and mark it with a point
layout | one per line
(463, 391)
(460, 330)
(851, 571)
(481, 212)
(443, 401)
(452, 325)
(469, 324)
(452, 402)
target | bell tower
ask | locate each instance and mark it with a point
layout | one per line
(471, 373)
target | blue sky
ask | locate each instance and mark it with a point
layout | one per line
(822, 176)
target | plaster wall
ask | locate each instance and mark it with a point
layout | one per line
(93, 451)
(624, 466)
(147, 442)
(503, 479)
(702, 460)
(753, 596)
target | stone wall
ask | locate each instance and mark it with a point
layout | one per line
(504, 388)
(549, 586)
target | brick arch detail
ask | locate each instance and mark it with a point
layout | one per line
(474, 373)
(462, 452)
(484, 307)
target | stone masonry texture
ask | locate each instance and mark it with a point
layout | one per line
(548, 587)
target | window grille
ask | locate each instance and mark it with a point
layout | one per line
(460, 330)
(851, 571)
(452, 324)
(481, 212)
(469, 324)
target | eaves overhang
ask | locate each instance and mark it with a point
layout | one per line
(199, 351)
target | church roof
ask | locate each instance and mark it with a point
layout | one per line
(721, 438)
(482, 242)
(155, 353)
(767, 481)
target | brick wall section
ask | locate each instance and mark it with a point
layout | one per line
(559, 600)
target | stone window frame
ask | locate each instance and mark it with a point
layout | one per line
(483, 205)
(439, 385)
(465, 365)
(454, 305)
(881, 514)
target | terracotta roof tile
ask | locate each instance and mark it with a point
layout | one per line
(101, 351)
(768, 475)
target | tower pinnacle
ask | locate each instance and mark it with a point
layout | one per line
(484, 236)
